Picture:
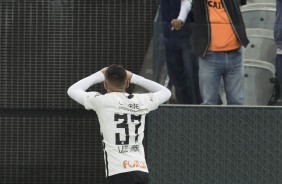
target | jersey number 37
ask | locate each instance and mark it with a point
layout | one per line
(124, 124)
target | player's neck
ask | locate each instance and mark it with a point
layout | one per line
(119, 90)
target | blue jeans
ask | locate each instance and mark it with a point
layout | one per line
(229, 66)
(279, 72)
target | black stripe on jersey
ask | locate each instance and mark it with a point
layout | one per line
(106, 160)
(130, 96)
(138, 118)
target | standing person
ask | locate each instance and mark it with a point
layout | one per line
(122, 119)
(182, 64)
(278, 40)
(217, 36)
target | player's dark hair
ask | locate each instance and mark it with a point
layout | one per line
(116, 75)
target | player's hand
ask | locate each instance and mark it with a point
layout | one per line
(129, 75)
(103, 70)
(176, 24)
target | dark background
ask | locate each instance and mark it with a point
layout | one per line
(47, 45)
(215, 145)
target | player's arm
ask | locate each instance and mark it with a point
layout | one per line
(78, 90)
(160, 92)
(185, 8)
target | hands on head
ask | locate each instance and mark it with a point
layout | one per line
(128, 73)
(103, 70)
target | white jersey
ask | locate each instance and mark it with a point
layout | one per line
(122, 121)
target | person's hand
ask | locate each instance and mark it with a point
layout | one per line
(129, 75)
(103, 70)
(176, 24)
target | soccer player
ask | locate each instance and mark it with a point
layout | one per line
(122, 119)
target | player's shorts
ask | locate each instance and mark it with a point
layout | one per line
(134, 177)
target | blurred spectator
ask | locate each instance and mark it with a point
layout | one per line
(182, 65)
(217, 36)
(278, 40)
